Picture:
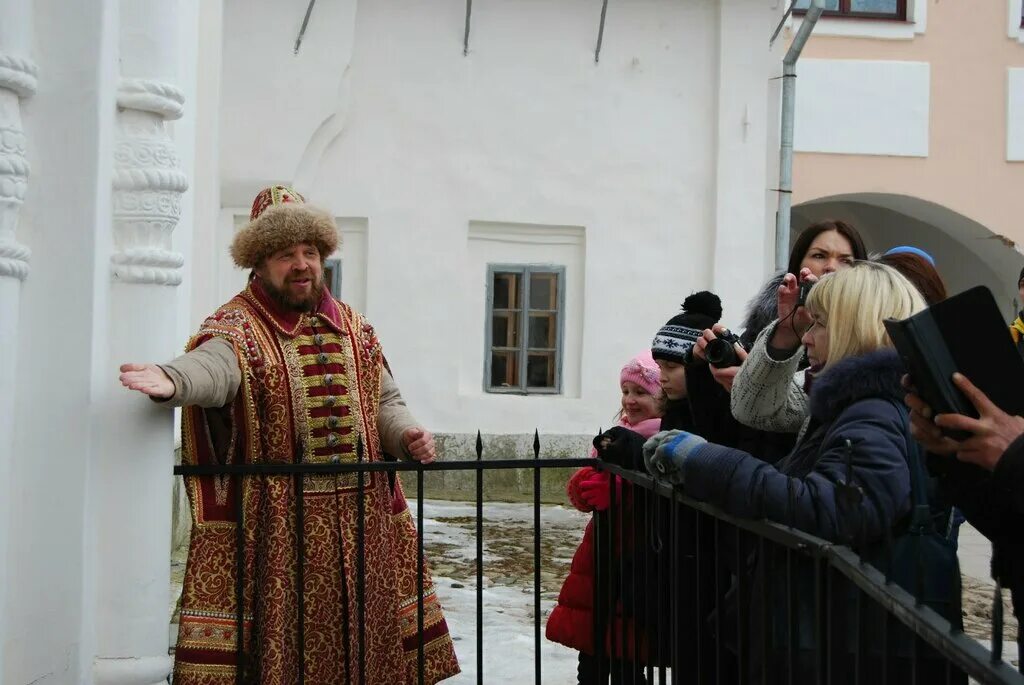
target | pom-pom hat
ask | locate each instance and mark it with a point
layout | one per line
(281, 218)
(677, 337)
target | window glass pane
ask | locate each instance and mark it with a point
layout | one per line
(540, 370)
(504, 369)
(875, 6)
(543, 291)
(804, 4)
(506, 290)
(543, 330)
(505, 330)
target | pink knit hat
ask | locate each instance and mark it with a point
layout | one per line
(644, 371)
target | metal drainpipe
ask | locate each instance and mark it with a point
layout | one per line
(782, 219)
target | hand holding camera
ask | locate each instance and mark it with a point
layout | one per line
(723, 352)
(793, 316)
(720, 347)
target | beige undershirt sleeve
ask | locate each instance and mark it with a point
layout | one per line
(394, 417)
(208, 376)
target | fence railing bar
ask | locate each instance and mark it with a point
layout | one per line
(719, 609)
(762, 562)
(479, 562)
(819, 647)
(701, 610)
(618, 620)
(638, 553)
(536, 559)
(997, 623)
(601, 579)
(791, 618)
(965, 653)
(240, 659)
(674, 572)
(361, 560)
(346, 636)
(283, 468)
(741, 604)
(420, 646)
(300, 570)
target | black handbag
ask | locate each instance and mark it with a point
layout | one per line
(919, 554)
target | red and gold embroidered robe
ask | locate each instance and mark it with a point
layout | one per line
(310, 391)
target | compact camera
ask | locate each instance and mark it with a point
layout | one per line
(721, 352)
(805, 289)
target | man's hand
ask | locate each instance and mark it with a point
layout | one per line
(993, 430)
(419, 445)
(793, 321)
(149, 379)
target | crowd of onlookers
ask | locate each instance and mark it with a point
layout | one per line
(807, 418)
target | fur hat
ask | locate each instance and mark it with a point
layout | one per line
(642, 370)
(281, 218)
(677, 337)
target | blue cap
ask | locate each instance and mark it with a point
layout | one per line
(912, 250)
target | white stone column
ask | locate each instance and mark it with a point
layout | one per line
(17, 81)
(133, 500)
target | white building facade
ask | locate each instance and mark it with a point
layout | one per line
(518, 219)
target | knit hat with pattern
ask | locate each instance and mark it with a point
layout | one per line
(677, 337)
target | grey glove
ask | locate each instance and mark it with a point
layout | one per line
(665, 452)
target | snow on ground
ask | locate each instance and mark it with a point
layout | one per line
(449, 530)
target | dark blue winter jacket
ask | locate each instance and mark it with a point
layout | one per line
(857, 433)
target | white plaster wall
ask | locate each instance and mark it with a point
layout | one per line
(862, 107)
(1015, 115)
(526, 129)
(61, 319)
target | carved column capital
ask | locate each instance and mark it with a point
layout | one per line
(17, 81)
(18, 74)
(151, 96)
(148, 184)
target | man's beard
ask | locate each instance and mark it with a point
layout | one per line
(301, 303)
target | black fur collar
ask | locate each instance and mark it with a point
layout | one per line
(876, 374)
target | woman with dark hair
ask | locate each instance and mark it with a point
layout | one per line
(764, 394)
(919, 268)
(826, 246)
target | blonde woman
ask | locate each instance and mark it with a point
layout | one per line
(848, 478)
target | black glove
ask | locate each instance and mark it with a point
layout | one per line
(622, 447)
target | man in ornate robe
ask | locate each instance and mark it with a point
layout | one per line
(285, 373)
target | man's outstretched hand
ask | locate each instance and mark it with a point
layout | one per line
(148, 379)
(419, 444)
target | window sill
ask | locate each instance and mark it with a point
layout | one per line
(857, 27)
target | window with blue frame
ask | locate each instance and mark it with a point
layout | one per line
(525, 310)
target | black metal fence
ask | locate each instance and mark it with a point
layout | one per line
(682, 592)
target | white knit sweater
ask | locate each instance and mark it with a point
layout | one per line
(768, 394)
